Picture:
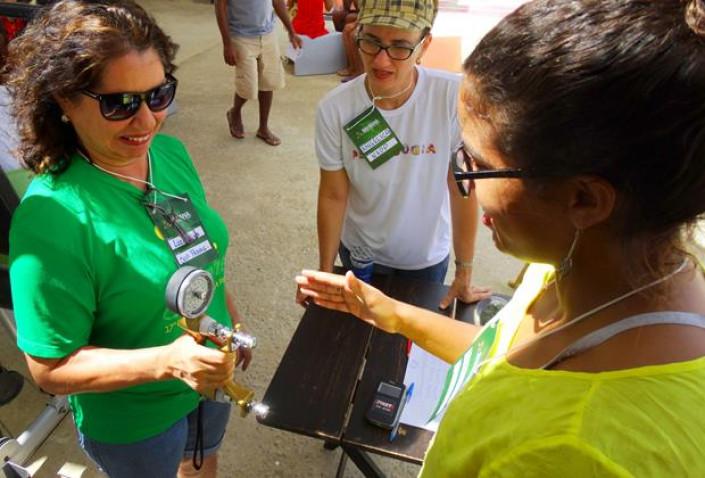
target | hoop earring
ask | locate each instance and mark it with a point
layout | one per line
(566, 264)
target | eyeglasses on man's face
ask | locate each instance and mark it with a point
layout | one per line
(372, 47)
(466, 171)
(121, 106)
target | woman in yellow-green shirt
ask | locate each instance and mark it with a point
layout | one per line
(585, 122)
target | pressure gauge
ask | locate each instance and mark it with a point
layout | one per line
(189, 292)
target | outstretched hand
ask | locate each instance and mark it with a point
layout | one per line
(349, 294)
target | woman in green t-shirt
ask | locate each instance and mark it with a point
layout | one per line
(115, 208)
(584, 135)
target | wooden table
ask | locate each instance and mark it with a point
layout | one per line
(331, 369)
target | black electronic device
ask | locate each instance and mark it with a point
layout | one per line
(387, 405)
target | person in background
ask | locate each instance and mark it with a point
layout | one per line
(309, 17)
(345, 20)
(250, 45)
(587, 159)
(399, 206)
(114, 210)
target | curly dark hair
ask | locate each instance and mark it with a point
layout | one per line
(612, 88)
(62, 52)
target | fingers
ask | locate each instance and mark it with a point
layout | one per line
(353, 284)
(301, 298)
(447, 300)
(339, 306)
(320, 284)
(480, 294)
(323, 277)
(467, 295)
(244, 357)
(333, 295)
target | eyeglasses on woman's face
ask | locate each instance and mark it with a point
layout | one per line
(372, 47)
(466, 171)
(121, 106)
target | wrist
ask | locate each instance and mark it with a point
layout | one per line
(403, 325)
(165, 370)
(467, 265)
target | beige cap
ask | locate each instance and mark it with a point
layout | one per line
(403, 14)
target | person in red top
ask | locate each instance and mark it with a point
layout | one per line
(309, 17)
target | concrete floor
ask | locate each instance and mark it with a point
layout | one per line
(268, 197)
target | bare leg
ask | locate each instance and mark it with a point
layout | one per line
(351, 52)
(265, 105)
(237, 130)
(208, 470)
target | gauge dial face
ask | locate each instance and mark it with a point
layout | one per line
(190, 291)
(196, 295)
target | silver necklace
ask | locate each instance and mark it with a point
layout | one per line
(593, 311)
(150, 185)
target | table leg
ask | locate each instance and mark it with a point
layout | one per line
(341, 464)
(363, 462)
(330, 445)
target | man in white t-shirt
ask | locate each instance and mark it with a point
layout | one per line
(401, 210)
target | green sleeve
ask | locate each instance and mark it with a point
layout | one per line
(562, 456)
(52, 292)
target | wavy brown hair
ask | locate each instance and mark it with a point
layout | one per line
(62, 52)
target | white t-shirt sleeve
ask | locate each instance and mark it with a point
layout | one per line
(329, 138)
(456, 131)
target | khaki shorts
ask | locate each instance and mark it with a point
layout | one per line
(259, 66)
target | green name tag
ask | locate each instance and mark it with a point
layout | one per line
(466, 368)
(182, 231)
(373, 137)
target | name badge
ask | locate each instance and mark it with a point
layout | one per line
(182, 230)
(373, 137)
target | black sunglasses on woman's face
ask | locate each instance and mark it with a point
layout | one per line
(465, 173)
(121, 106)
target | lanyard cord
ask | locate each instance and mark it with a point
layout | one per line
(590, 312)
(150, 185)
(375, 98)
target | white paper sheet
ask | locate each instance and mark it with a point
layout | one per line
(428, 373)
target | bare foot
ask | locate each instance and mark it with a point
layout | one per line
(237, 130)
(268, 137)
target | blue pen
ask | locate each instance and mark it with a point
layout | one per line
(407, 397)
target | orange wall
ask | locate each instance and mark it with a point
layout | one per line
(444, 53)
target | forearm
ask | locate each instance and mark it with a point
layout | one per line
(94, 369)
(439, 335)
(464, 224)
(464, 219)
(221, 15)
(283, 14)
(330, 216)
(232, 309)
